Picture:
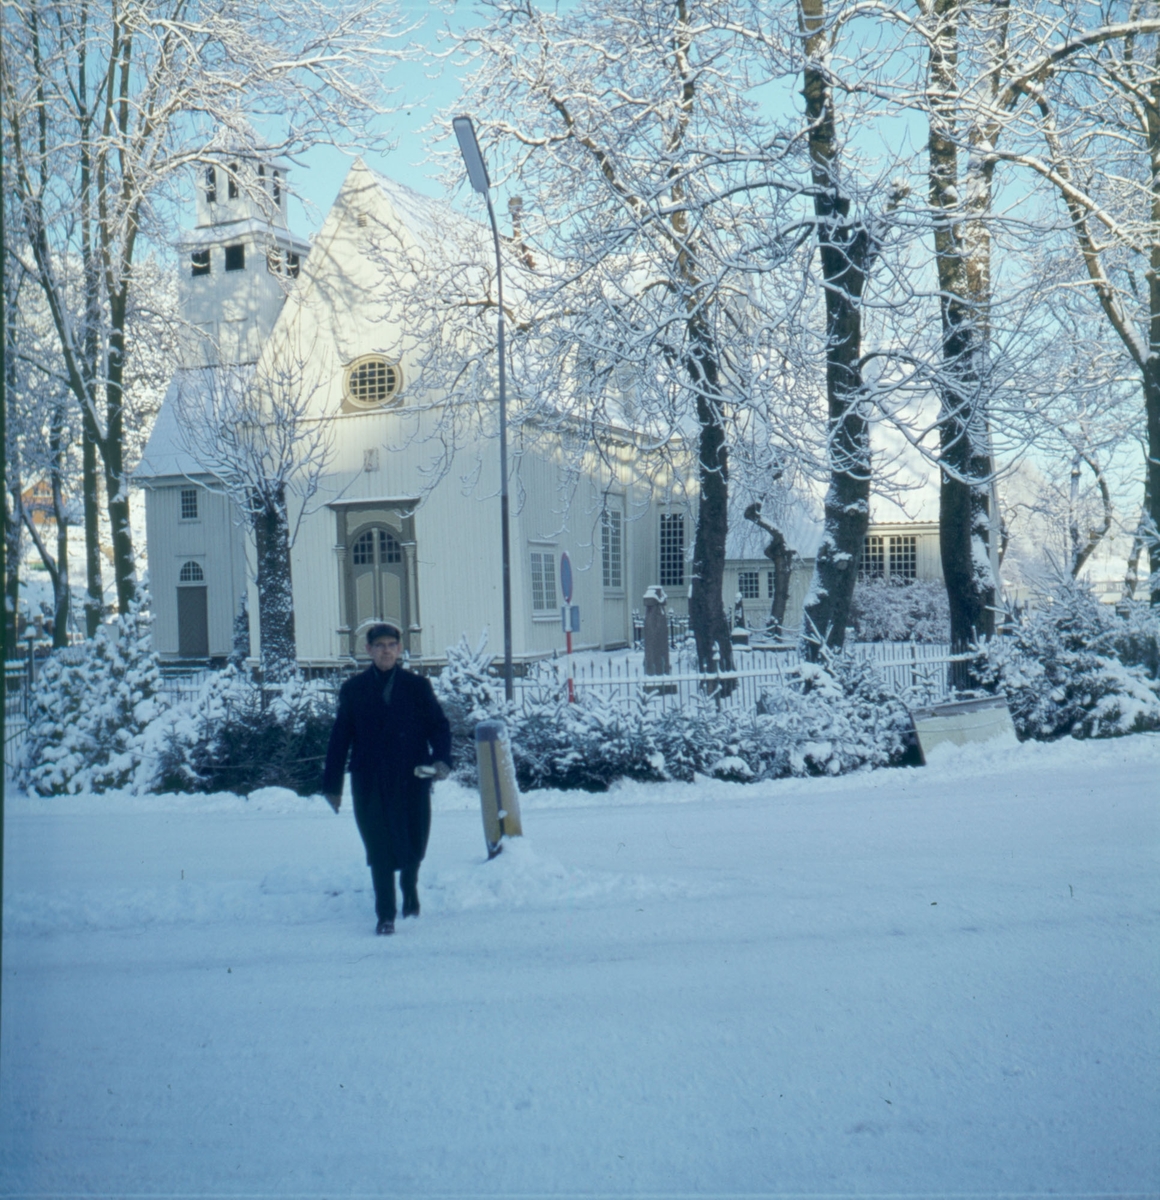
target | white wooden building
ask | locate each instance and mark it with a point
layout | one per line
(381, 542)
(385, 538)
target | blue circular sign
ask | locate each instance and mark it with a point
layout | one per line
(566, 577)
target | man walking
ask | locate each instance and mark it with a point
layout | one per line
(398, 740)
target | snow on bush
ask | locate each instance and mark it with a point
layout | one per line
(893, 611)
(89, 711)
(238, 736)
(1078, 667)
(469, 693)
(823, 719)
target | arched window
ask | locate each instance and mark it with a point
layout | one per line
(191, 572)
(363, 552)
(372, 381)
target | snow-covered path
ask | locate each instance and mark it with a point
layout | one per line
(925, 982)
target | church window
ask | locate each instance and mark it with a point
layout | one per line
(236, 257)
(612, 548)
(199, 262)
(543, 582)
(232, 185)
(293, 263)
(363, 552)
(210, 185)
(191, 572)
(672, 570)
(372, 381)
(277, 188)
(872, 564)
(904, 558)
(274, 261)
(189, 504)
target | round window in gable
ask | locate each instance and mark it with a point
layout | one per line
(372, 381)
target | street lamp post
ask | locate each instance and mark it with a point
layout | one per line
(477, 174)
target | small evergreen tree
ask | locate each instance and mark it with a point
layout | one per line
(90, 709)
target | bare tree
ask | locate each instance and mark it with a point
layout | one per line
(1095, 110)
(107, 105)
(256, 433)
(657, 209)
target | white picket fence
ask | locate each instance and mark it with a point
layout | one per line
(918, 672)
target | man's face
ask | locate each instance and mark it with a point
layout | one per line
(385, 652)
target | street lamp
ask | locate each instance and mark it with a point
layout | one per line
(477, 174)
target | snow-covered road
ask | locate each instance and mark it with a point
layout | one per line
(922, 982)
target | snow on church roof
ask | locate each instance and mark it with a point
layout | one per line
(166, 452)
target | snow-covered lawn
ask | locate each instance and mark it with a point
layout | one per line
(910, 982)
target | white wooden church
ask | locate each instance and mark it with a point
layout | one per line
(384, 538)
(381, 541)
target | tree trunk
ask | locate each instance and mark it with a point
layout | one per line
(116, 483)
(12, 549)
(962, 256)
(706, 607)
(90, 486)
(846, 252)
(62, 592)
(778, 552)
(1152, 475)
(277, 648)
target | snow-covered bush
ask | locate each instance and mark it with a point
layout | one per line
(89, 710)
(1078, 667)
(893, 611)
(469, 693)
(237, 736)
(822, 720)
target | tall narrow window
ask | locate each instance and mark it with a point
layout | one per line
(872, 564)
(199, 262)
(189, 504)
(672, 549)
(277, 188)
(904, 558)
(749, 585)
(543, 582)
(612, 548)
(274, 261)
(236, 257)
(210, 185)
(293, 263)
(232, 184)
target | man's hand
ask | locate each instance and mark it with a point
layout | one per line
(334, 801)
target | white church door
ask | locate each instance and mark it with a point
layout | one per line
(379, 577)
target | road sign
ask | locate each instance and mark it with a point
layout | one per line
(566, 577)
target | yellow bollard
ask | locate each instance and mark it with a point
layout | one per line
(499, 797)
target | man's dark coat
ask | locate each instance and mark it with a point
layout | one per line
(386, 743)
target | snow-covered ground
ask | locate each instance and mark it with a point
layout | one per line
(912, 982)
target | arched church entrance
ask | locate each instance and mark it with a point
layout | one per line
(378, 571)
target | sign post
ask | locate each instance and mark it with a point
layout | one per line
(569, 616)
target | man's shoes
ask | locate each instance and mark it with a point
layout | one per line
(410, 906)
(385, 927)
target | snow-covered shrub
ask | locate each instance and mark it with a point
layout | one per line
(237, 736)
(469, 693)
(89, 711)
(832, 718)
(1079, 668)
(893, 611)
(822, 720)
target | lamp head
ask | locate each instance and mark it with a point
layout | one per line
(472, 156)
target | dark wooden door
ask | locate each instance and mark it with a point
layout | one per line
(192, 623)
